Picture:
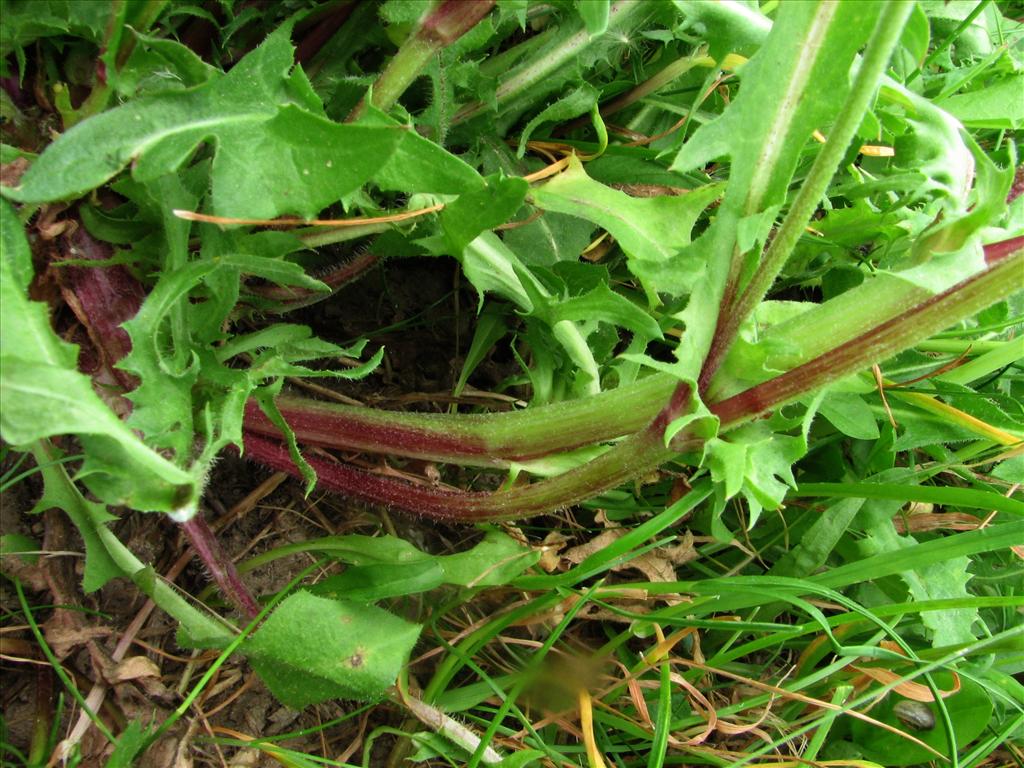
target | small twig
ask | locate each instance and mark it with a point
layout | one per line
(296, 222)
(448, 727)
(881, 391)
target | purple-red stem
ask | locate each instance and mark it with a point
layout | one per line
(294, 297)
(926, 318)
(451, 19)
(996, 252)
(633, 457)
(222, 569)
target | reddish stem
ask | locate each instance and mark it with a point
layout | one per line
(222, 569)
(996, 252)
(294, 297)
(632, 458)
(926, 318)
(452, 19)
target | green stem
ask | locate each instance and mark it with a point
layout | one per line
(941, 47)
(885, 339)
(404, 67)
(569, 336)
(118, 46)
(963, 347)
(442, 25)
(201, 627)
(315, 237)
(621, 15)
(671, 72)
(872, 67)
(492, 439)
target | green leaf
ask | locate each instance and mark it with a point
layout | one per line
(130, 743)
(29, 20)
(969, 710)
(549, 239)
(916, 35)
(626, 170)
(58, 493)
(416, 164)
(491, 266)
(945, 580)
(817, 543)
(491, 326)
(998, 107)
(157, 65)
(594, 14)
(767, 126)
(385, 566)
(1011, 470)
(479, 210)
(850, 415)
(933, 148)
(757, 462)
(493, 562)
(521, 759)
(603, 304)
(369, 583)
(925, 582)
(312, 649)
(293, 161)
(44, 395)
(21, 546)
(169, 365)
(961, 497)
(579, 102)
(651, 231)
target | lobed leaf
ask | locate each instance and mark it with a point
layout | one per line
(294, 161)
(44, 395)
(651, 231)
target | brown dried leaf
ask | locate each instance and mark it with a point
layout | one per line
(11, 173)
(906, 689)
(31, 575)
(933, 521)
(64, 637)
(658, 565)
(132, 668)
(578, 554)
(553, 543)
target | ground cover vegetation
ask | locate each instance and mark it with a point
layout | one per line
(590, 382)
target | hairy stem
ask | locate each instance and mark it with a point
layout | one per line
(493, 439)
(622, 15)
(644, 451)
(222, 569)
(441, 26)
(872, 67)
(880, 342)
(634, 457)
